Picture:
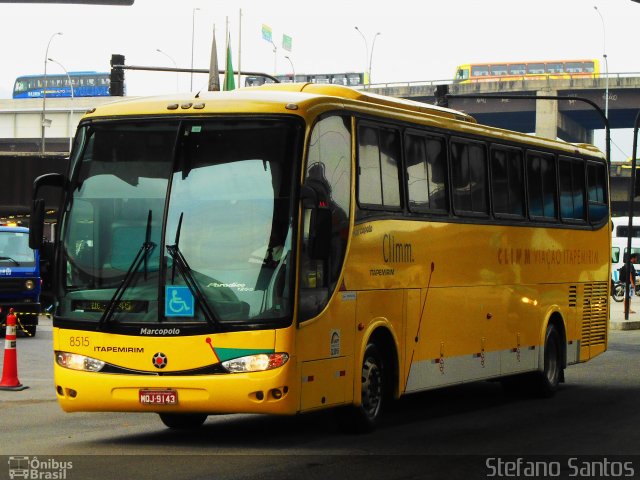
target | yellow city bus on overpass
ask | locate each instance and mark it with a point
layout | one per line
(288, 248)
(537, 70)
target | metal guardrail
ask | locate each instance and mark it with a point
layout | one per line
(432, 83)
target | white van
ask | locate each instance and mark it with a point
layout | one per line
(620, 228)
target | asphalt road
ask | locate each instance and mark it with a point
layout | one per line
(471, 431)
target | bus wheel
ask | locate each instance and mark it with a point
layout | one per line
(548, 379)
(364, 417)
(183, 421)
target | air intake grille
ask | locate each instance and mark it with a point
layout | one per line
(594, 314)
(573, 296)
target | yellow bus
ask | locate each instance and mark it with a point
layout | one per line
(287, 248)
(538, 70)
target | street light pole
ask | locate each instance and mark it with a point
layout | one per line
(44, 93)
(373, 44)
(193, 29)
(275, 58)
(71, 110)
(292, 68)
(174, 64)
(606, 63)
(366, 53)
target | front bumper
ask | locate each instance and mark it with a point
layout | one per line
(272, 391)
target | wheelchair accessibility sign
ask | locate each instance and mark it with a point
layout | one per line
(178, 302)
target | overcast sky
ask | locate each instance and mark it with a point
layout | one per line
(419, 40)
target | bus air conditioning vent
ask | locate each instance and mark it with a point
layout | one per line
(594, 314)
(573, 296)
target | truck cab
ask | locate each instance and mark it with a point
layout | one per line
(19, 279)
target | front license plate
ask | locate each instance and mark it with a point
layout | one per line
(158, 397)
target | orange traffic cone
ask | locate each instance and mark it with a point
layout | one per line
(10, 366)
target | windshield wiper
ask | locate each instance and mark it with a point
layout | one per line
(17, 263)
(192, 284)
(141, 256)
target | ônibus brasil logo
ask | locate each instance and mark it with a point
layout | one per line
(32, 467)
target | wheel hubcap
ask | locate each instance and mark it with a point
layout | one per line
(371, 388)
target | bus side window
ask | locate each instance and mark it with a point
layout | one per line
(572, 189)
(426, 164)
(378, 159)
(469, 177)
(597, 192)
(541, 183)
(507, 181)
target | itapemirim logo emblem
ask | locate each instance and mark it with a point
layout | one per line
(38, 469)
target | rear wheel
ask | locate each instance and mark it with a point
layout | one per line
(183, 421)
(547, 380)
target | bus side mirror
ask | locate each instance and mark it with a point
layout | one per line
(36, 224)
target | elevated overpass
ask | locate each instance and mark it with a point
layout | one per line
(21, 120)
(571, 121)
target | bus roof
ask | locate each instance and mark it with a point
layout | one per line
(266, 97)
(301, 97)
(88, 72)
(517, 62)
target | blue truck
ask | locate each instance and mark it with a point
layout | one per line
(19, 279)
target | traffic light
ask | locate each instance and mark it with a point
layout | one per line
(116, 79)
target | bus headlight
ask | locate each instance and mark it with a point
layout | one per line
(78, 362)
(256, 363)
(29, 285)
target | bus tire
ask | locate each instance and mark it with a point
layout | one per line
(364, 417)
(547, 380)
(183, 421)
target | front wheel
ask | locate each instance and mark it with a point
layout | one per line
(364, 417)
(182, 421)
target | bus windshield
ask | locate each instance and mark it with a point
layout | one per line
(212, 201)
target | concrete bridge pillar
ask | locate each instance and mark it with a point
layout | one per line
(547, 116)
(551, 123)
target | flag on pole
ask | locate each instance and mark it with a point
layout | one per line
(266, 32)
(286, 42)
(229, 82)
(214, 72)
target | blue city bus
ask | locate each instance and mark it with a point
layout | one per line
(19, 279)
(348, 79)
(85, 84)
